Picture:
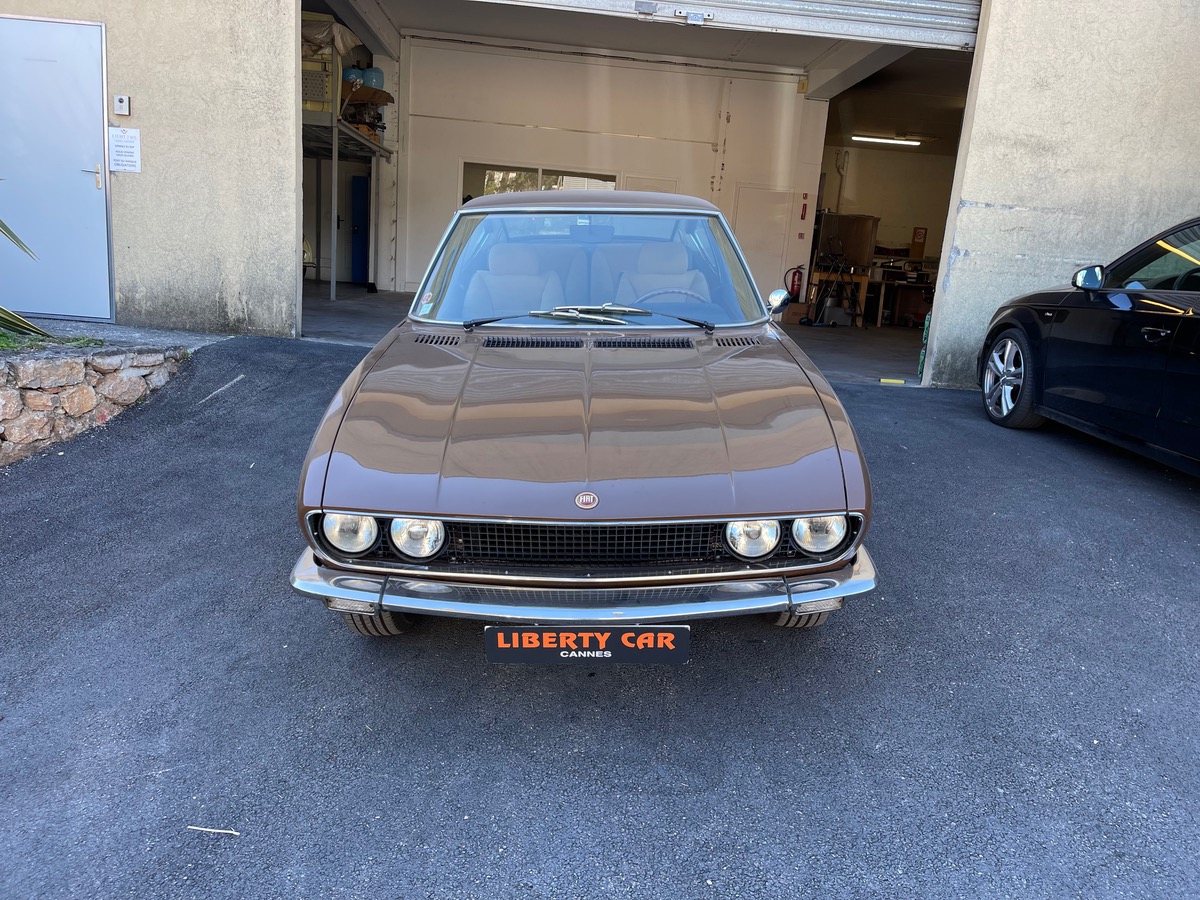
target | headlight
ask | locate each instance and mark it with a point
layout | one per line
(418, 538)
(752, 539)
(350, 534)
(819, 534)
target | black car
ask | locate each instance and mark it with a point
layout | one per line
(1117, 354)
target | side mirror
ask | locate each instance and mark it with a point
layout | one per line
(1090, 278)
(778, 300)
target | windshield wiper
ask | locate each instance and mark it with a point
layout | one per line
(566, 313)
(636, 311)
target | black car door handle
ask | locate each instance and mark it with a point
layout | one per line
(1155, 334)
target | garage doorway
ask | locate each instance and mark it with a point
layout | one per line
(891, 147)
(54, 204)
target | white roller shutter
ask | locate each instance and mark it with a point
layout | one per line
(913, 23)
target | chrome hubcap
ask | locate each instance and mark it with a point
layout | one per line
(1003, 377)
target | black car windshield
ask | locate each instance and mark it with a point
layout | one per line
(666, 266)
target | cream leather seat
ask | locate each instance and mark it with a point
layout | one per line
(609, 262)
(511, 285)
(662, 267)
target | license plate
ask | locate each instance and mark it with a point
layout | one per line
(538, 644)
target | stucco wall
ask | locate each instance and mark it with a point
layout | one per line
(206, 236)
(1077, 142)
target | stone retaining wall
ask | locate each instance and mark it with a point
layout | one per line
(52, 395)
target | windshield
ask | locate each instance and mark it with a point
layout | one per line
(606, 266)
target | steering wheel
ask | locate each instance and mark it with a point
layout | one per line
(684, 291)
(1190, 273)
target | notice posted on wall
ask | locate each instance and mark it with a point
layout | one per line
(124, 149)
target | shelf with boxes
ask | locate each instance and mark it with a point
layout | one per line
(333, 105)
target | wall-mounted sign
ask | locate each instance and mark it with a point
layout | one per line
(124, 149)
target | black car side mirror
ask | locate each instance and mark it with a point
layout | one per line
(1089, 278)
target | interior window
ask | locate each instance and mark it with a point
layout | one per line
(483, 179)
(553, 180)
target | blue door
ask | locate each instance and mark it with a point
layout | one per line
(360, 229)
(54, 187)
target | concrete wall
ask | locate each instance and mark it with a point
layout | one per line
(1078, 142)
(207, 235)
(906, 190)
(724, 137)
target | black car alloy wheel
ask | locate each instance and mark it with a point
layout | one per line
(1008, 382)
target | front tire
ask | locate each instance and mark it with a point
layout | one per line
(383, 624)
(1008, 379)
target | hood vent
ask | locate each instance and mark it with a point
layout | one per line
(738, 342)
(541, 343)
(441, 340)
(651, 343)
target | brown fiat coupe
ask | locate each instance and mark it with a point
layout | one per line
(588, 432)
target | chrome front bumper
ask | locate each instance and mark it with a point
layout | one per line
(365, 593)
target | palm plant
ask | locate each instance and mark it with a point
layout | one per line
(10, 321)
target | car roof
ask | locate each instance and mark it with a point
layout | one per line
(569, 201)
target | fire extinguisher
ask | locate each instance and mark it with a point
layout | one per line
(793, 283)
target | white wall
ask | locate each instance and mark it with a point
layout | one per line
(1078, 142)
(710, 132)
(207, 235)
(906, 190)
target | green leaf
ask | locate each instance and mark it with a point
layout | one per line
(10, 321)
(11, 235)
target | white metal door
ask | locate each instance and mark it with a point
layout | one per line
(54, 192)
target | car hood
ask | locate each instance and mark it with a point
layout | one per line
(511, 425)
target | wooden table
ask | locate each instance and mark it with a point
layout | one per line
(900, 287)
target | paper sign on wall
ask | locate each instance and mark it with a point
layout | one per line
(124, 149)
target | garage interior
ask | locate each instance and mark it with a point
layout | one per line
(862, 270)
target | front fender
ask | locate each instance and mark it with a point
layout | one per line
(1022, 317)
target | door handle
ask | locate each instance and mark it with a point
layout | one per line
(96, 172)
(1154, 335)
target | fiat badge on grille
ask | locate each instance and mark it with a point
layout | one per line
(586, 500)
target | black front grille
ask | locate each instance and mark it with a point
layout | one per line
(493, 544)
(574, 551)
(587, 598)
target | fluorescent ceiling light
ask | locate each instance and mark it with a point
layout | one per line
(879, 140)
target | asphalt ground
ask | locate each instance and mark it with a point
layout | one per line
(1011, 714)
